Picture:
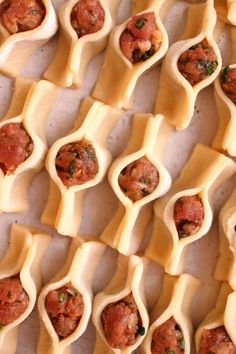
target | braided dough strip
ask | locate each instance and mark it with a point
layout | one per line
(74, 54)
(30, 105)
(205, 170)
(66, 203)
(79, 270)
(129, 278)
(176, 96)
(118, 76)
(174, 301)
(27, 246)
(16, 49)
(147, 140)
(224, 314)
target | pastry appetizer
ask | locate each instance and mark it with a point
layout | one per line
(119, 312)
(137, 177)
(84, 29)
(23, 142)
(65, 304)
(77, 162)
(184, 215)
(226, 10)
(225, 96)
(190, 65)
(216, 333)
(226, 264)
(133, 47)
(20, 281)
(171, 329)
(25, 25)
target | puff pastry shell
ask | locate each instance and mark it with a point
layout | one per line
(205, 170)
(222, 315)
(16, 49)
(149, 132)
(66, 203)
(74, 54)
(176, 96)
(129, 278)
(174, 301)
(118, 76)
(23, 257)
(30, 105)
(78, 270)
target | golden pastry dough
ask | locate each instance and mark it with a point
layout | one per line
(225, 136)
(129, 278)
(224, 314)
(16, 49)
(176, 96)
(226, 10)
(74, 54)
(148, 137)
(226, 264)
(205, 170)
(174, 301)
(30, 105)
(78, 270)
(66, 203)
(119, 76)
(23, 257)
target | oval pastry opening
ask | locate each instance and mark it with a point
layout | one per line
(188, 215)
(121, 323)
(228, 82)
(198, 62)
(87, 16)
(15, 146)
(76, 163)
(21, 15)
(168, 338)
(13, 300)
(138, 179)
(65, 308)
(141, 38)
(216, 341)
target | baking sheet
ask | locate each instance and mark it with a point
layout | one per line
(201, 257)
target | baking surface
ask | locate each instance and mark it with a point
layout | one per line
(201, 257)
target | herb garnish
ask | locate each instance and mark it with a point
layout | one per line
(145, 193)
(61, 297)
(146, 180)
(71, 168)
(140, 23)
(169, 351)
(210, 67)
(35, 12)
(141, 331)
(224, 73)
(90, 154)
(182, 343)
(148, 54)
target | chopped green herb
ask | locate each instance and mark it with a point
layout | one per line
(145, 193)
(224, 73)
(71, 168)
(182, 343)
(201, 63)
(148, 54)
(141, 331)
(210, 67)
(124, 189)
(35, 12)
(90, 154)
(61, 297)
(169, 351)
(194, 47)
(8, 294)
(77, 154)
(140, 23)
(146, 180)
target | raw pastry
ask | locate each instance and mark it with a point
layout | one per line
(23, 143)
(77, 162)
(137, 177)
(24, 27)
(75, 51)
(65, 304)
(20, 281)
(225, 96)
(119, 312)
(185, 214)
(199, 59)
(217, 329)
(171, 314)
(226, 10)
(145, 34)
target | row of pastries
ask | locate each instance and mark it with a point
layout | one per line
(80, 160)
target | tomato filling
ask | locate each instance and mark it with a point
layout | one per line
(216, 341)
(228, 82)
